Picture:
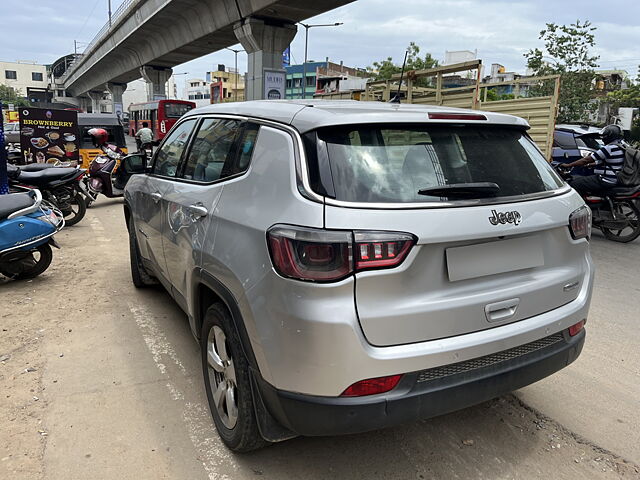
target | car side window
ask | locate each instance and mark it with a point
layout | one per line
(246, 146)
(564, 140)
(213, 150)
(168, 157)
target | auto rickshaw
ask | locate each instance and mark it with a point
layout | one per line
(111, 123)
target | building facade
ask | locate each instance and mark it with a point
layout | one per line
(305, 81)
(28, 79)
(298, 87)
(197, 90)
(227, 85)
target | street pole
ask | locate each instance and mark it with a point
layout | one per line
(304, 65)
(109, 13)
(235, 96)
(306, 46)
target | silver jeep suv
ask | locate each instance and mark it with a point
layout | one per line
(349, 266)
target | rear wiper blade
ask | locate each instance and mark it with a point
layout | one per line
(462, 190)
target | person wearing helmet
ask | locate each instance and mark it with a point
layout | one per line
(99, 137)
(608, 161)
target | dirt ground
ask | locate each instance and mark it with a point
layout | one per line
(100, 380)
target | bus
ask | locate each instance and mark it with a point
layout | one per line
(160, 115)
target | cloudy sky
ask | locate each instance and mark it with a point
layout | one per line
(500, 30)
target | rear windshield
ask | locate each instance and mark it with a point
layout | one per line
(589, 141)
(390, 164)
(176, 110)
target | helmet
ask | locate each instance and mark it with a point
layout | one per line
(100, 136)
(611, 133)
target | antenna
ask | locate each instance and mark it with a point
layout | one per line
(396, 99)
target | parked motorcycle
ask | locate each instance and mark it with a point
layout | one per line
(27, 226)
(59, 186)
(616, 214)
(104, 176)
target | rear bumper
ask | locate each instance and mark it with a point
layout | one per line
(419, 395)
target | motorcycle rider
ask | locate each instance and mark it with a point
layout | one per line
(608, 160)
(144, 138)
(100, 139)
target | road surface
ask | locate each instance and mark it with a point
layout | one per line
(101, 380)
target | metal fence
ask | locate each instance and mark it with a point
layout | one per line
(103, 32)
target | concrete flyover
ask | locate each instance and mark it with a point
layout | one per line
(146, 38)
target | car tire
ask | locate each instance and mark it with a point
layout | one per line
(139, 275)
(227, 382)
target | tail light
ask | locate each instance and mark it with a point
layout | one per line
(372, 386)
(575, 329)
(381, 249)
(80, 175)
(331, 255)
(580, 223)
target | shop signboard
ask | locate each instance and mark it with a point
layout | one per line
(274, 82)
(48, 135)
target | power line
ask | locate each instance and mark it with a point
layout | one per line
(88, 17)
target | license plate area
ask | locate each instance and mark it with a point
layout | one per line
(473, 261)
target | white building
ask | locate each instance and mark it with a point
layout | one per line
(137, 92)
(24, 77)
(197, 90)
(459, 56)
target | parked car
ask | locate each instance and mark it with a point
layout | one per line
(11, 133)
(572, 142)
(348, 266)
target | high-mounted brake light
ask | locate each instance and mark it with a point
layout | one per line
(456, 116)
(580, 223)
(330, 255)
(372, 386)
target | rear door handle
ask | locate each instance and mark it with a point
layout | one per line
(499, 311)
(156, 196)
(198, 210)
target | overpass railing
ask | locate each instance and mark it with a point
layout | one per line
(115, 16)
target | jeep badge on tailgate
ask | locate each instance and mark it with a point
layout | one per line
(505, 217)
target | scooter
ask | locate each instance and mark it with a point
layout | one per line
(27, 226)
(616, 213)
(103, 176)
(59, 186)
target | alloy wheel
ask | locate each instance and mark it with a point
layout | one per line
(222, 377)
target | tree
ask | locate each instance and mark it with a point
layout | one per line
(569, 50)
(629, 97)
(385, 69)
(9, 95)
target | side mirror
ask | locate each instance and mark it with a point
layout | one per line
(133, 164)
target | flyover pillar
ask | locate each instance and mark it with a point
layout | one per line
(116, 90)
(264, 41)
(156, 78)
(95, 97)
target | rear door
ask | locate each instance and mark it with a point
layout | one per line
(212, 158)
(478, 262)
(152, 206)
